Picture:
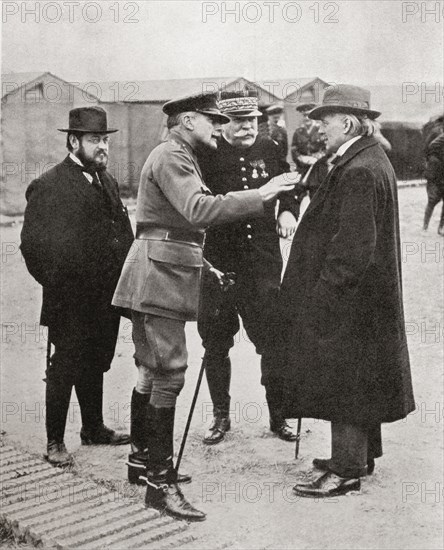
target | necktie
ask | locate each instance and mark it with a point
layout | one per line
(95, 178)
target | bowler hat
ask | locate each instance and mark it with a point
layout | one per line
(343, 98)
(304, 107)
(201, 103)
(88, 120)
(239, 104)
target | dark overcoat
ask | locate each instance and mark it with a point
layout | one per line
(342, 298)
(75, 239)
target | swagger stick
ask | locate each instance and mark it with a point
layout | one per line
(226, 282)
(298, 436)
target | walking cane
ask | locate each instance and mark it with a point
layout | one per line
(48, 353)
(298, 438)
(227, 282)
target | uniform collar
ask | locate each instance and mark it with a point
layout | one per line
(176, 137)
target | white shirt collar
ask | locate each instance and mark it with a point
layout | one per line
(79, 162)
(346, 145)
(75, 159)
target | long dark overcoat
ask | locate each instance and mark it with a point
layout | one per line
(342, 298)
(75, 239)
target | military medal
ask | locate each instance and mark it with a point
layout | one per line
(261, 165)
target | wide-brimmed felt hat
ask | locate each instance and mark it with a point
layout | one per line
(88, 120)
(347, 99)
(240, 104)
(205, 103)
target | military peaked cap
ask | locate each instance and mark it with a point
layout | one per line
(200, 103)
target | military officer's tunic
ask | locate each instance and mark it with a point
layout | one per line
(161, 276)
(250, 247)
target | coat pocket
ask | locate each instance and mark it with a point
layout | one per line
(173, 278)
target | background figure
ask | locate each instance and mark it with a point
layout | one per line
(277, 130)
(307, 145)
(76, 234)
(160, 283)
(250, 248)
(434, 174)
(347, 349)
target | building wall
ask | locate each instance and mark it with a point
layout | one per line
(31, 143)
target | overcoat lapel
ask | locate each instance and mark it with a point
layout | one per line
(77, 181)
(331, 179)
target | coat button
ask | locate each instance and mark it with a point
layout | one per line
(249, 237)
(242, 159)
(248, 226)
(246, 187)
(243, 169)
(244, 179)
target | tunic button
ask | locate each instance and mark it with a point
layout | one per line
(243, 169)
(249, 237)
(248, 226)
(246, 187)
(242, 159)
(244, 179)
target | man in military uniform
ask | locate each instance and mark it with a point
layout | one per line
(76, 234)
(250, 248)
(276, 128)
(308, 144)
(160, 281)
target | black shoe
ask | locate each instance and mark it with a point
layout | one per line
(283, 431)
(137, 467)
(103, 436)
(57, 455)
(324, 464)
(328, 485)
(217, 430)
(168, 498)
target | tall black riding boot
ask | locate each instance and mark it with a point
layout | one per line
(141, 426)
(141, 418)
(218, 373)
(162, 491)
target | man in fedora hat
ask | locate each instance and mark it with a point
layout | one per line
(308, 145)
(348, 361)
(75, 238)
(160, 283)
(249, 248)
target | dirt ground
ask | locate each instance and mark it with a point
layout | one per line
(244, 484)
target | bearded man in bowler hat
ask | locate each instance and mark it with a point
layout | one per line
(76, 234)
(348, 361)
(160, 283)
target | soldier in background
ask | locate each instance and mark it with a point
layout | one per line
(308, 144)
(276, 128)
(434, 174)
